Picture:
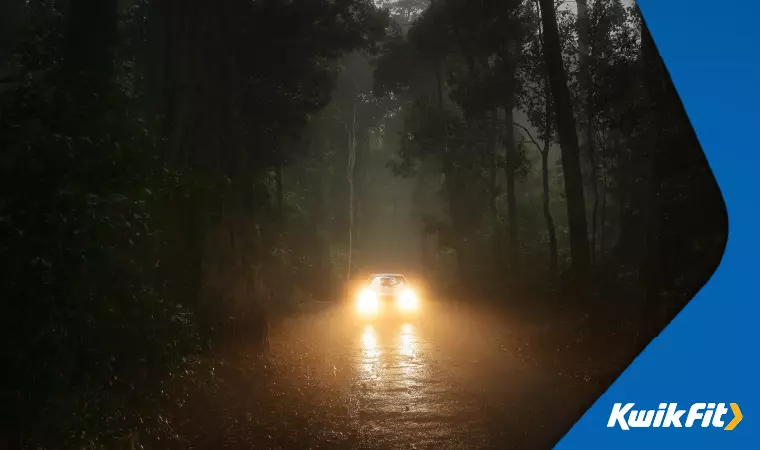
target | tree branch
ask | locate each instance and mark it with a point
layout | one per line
(530, 136)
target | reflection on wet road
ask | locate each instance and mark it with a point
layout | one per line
(372, 362)
(448, 380)
(404, 394)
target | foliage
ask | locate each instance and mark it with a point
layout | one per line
(120, 164)
(452, 70)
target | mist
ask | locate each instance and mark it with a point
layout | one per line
(335, 223)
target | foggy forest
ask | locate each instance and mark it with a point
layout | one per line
(182, 178)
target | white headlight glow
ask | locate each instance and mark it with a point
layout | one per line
(368, 302)
(408, 301)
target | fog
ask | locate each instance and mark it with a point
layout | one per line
(195, 192)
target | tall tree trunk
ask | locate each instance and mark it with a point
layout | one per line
(584, 50)
(360, 183)
(603, 224)
(576, 207)
(492, 164)
(594, 211)
(511, 156)
(585, 77)
(493, 185)
(550, 228)
(587, 108)
(510, 168)
(448, 174)
(547, 212)
(350, 175)
(547, 138)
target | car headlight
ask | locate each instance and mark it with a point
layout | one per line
(407, 301)
(368, 302)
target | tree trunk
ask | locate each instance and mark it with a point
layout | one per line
(585, 77)
(603, 224)
(547, 212)
(545, 179)
(584, 51)
(576, 207)
(350, 175)
(493, 186)
(360, 183)
(547, 138)
(587, 121)
(594, 209)
(510, 168)
(492, 164)
(448, 176)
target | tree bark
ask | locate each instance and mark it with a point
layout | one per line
(350, 175)
(587, 107)
(492, 164)
(510, 169)
(603, 223)
(585, 76)
(493, 185)
(547, 212)
(457, 242)
(594, 208)
(547, 138)
(511, 157)
(576, 207)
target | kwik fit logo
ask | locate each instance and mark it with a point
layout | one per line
(668, 415)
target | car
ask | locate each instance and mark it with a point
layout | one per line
(387, 294)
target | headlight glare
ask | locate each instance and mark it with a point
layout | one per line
(407, 301)
(368, 302)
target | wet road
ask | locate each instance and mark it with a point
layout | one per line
(454, 378)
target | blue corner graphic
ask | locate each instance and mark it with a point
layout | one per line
(709, 353)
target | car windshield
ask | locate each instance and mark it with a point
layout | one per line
(387, 281)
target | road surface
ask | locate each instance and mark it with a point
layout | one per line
(453, 379)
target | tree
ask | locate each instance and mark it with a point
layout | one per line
(536, 102)
(404, 12)
(144, 150)
(587, 116)
(576, 209)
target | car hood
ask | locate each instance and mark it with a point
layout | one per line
(382, 290)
